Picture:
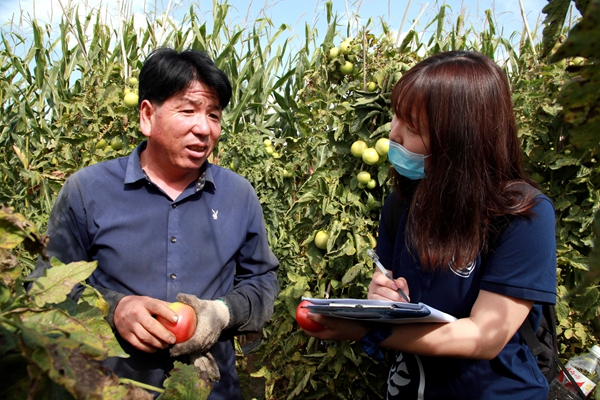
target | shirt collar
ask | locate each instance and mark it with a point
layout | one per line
(135, 172)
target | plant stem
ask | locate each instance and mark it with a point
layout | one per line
(527, 30)
(402, 23)
(126, 381)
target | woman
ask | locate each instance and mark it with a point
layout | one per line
(475, 239)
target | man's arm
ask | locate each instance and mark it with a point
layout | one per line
(251, 303)
(68, 240)
(256, 285)
(65, 226)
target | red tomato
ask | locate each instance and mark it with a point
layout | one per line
(303, 320)
(185, 326)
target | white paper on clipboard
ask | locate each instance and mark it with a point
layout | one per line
(377, 311)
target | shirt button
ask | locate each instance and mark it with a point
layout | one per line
(174, 205)
(173, 277)
(173, 239)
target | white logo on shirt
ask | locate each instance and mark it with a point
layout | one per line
(215, 214)
(463, 272)
(398, 375)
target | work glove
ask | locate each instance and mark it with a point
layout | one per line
(212, 317)
(205, 362)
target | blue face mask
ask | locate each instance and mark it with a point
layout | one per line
(407, 163)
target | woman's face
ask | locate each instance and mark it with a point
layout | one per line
(410, 140)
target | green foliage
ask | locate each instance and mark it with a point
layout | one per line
(556, 13)
(51, 345)
(183, 383)
(555, 163)
(580, 96)
(576, 173)
(52, 121)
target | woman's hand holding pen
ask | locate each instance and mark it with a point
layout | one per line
(382, 288)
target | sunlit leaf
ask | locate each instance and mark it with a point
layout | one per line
(58, 281)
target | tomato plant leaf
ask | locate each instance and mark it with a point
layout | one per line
(186, 382)
(58, 281)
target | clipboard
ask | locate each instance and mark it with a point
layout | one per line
(377, 311)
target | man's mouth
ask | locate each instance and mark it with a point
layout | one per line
(198, 149)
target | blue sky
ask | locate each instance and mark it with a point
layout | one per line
(298, 12)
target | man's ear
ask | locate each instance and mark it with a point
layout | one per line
(147, 111)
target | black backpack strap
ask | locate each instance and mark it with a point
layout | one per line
(536, 348)
(530, 338)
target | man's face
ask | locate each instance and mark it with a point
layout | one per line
(183, 131)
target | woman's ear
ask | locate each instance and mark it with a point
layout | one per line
(147, 115)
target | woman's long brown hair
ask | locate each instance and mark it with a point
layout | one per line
(463, 101)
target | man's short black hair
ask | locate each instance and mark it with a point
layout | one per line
(167, 73)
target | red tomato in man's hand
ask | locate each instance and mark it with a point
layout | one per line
(185, 326)
(303, 320)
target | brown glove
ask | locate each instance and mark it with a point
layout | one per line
(206, 362)
(212, 317)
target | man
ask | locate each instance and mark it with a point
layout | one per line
(164, 222)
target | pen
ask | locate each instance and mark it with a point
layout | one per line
(372, 254)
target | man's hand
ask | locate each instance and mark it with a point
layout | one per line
(135, 322)
(212, 317)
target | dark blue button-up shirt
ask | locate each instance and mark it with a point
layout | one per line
(210, 242)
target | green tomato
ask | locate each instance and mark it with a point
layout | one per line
(347, 68)
(116, 144)
(334, 52)
(101, 144)
(382, 159)
(370, 156)
(371, 86)
(131, 99)
(371, 184)
(346, 46)
(357, 148)
(363, 177)
(321, 239)
(382, 146)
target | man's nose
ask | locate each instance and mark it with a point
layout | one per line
(201, 125)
